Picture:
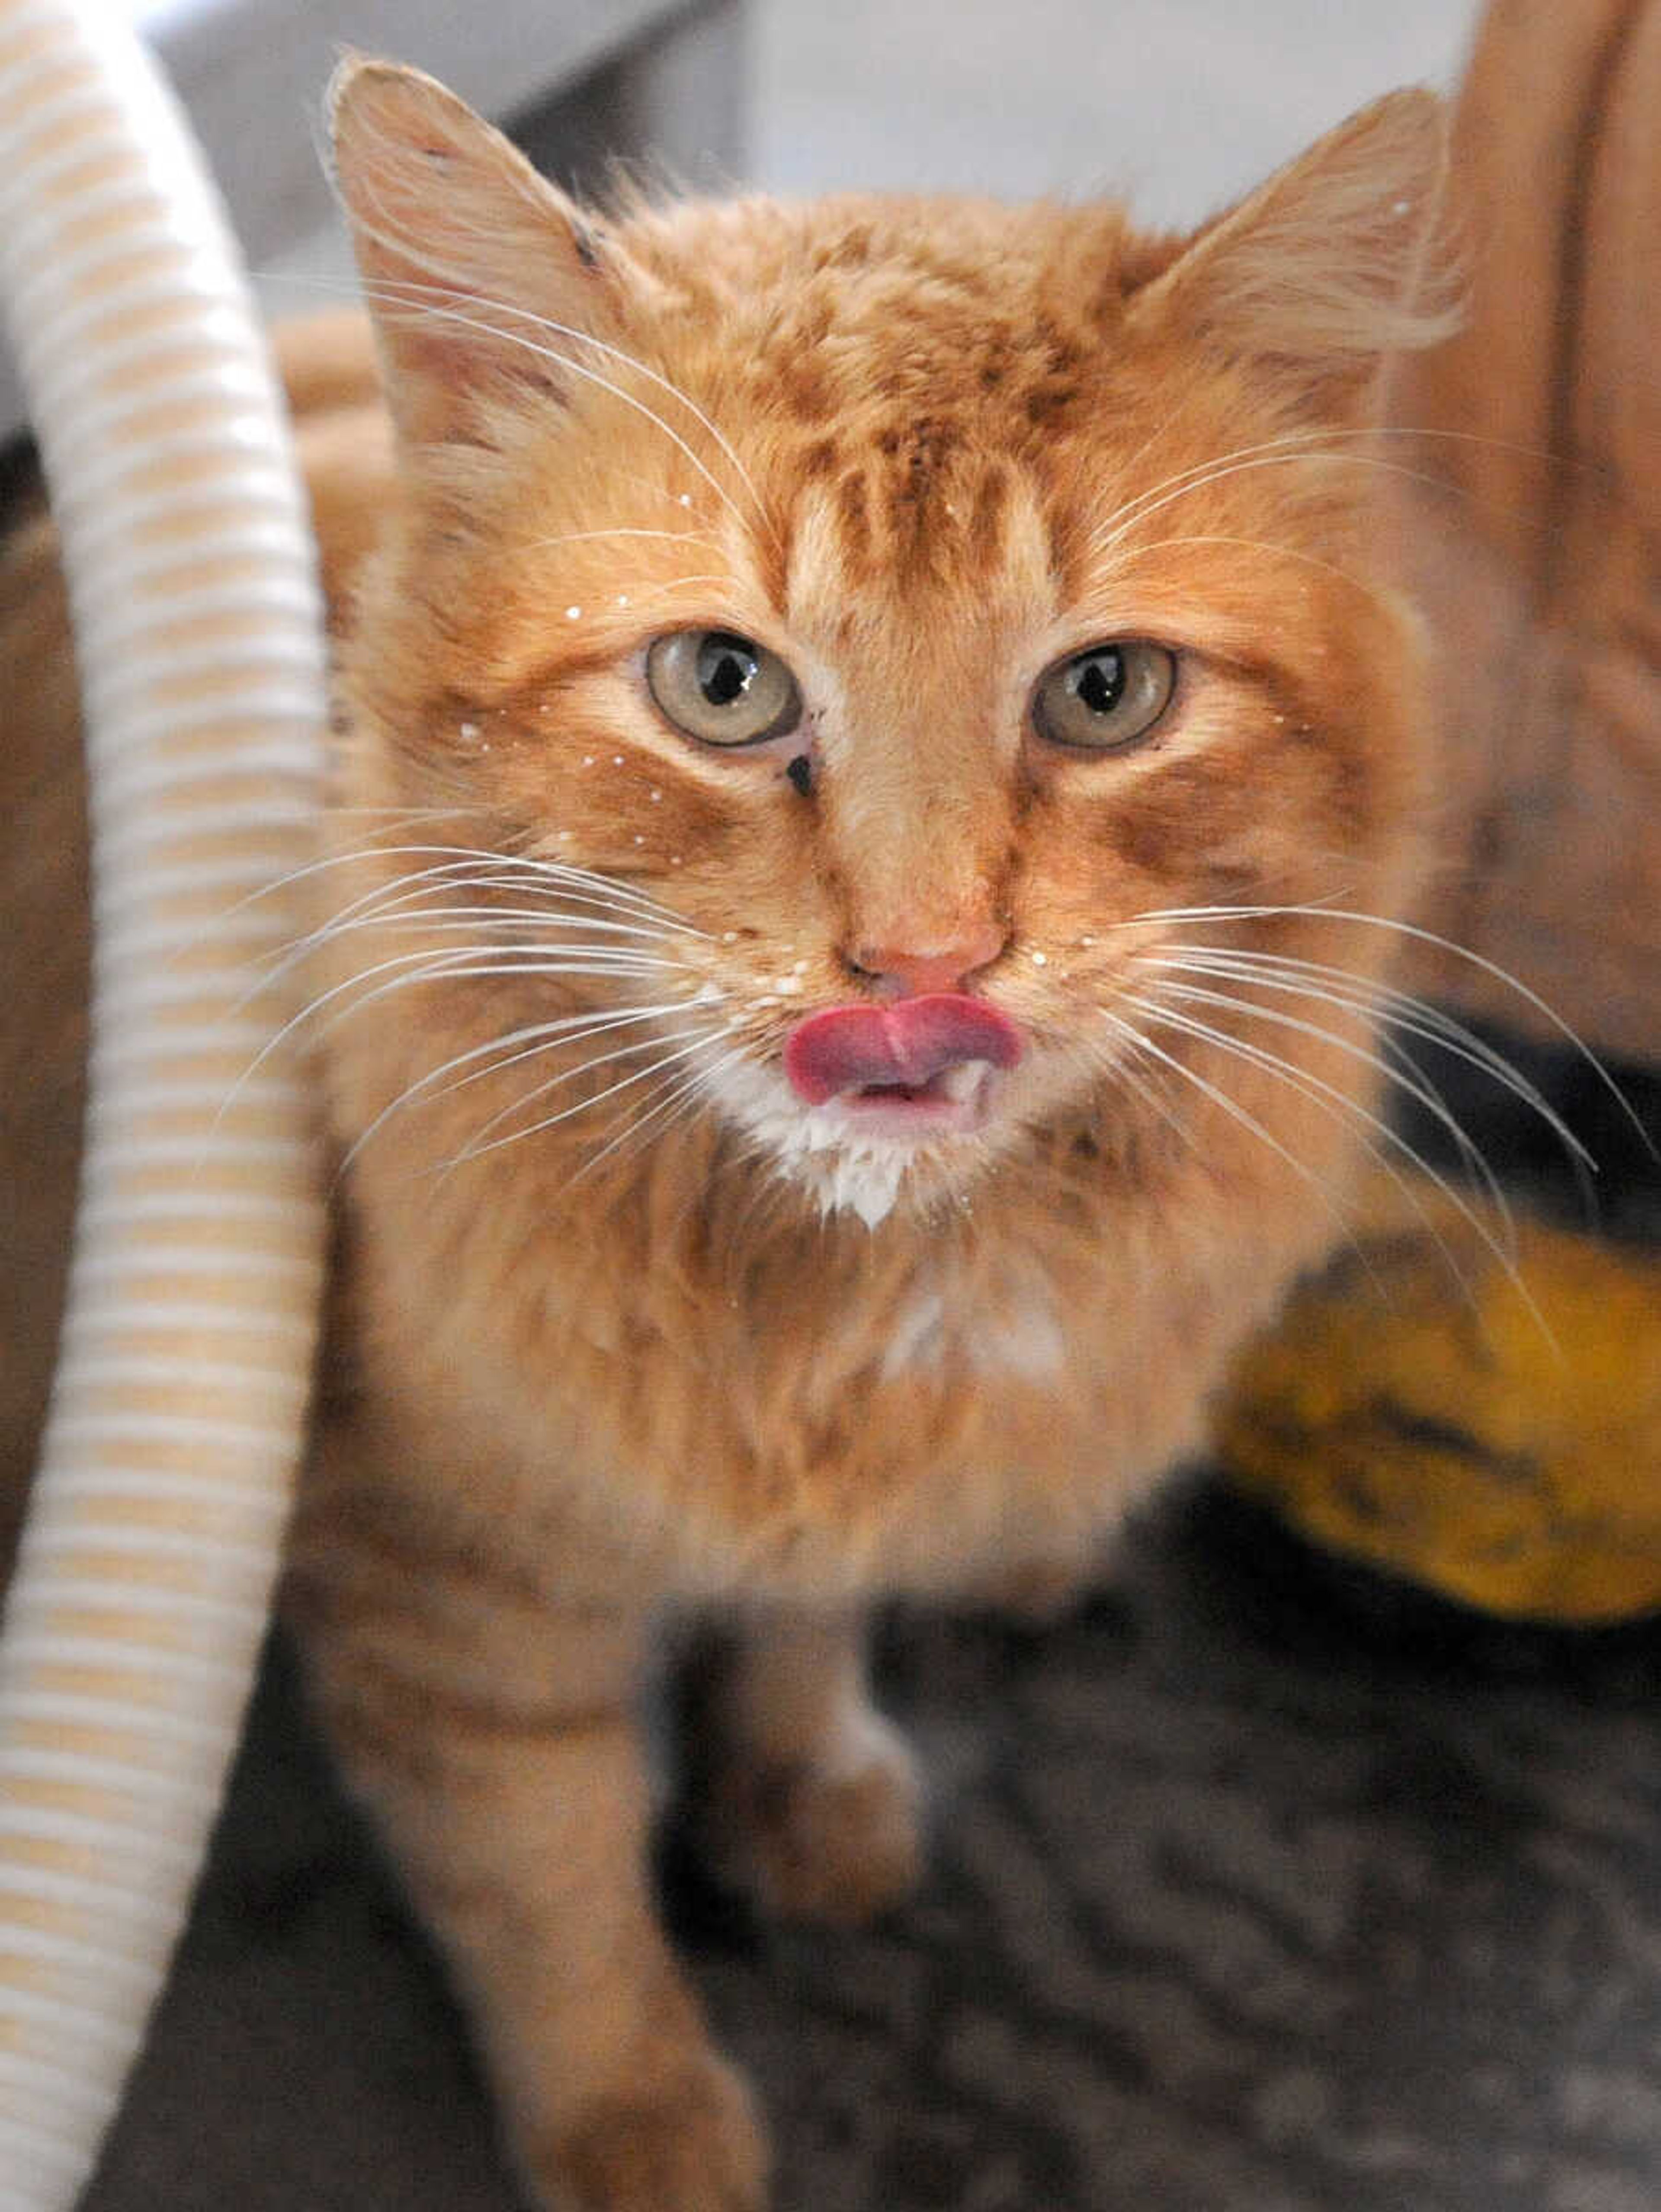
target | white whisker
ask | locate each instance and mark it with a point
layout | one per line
(565, 1075)
(1424, 1092)
(473, 1150)
(1340, 1105)
(681, 583)
(516, 1045)
(1228, 914)
(391, 291)
(395, 294)
(1236, 1113)
(625, 530)
(1200, 481)
(681, 1098)
(1294, 445)
(449, 920)
(1140, 550)
(572, 888)
(460, 963)
(528, 872)
(1141, 1087)
(1393, 1009)
(1290, 445)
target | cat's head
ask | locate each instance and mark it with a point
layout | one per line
(863, 645)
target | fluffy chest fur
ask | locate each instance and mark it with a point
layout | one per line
(786, 1404)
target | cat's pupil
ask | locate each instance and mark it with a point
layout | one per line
(1100, 682)
(726, 668)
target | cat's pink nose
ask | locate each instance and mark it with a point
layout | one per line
(916, 971)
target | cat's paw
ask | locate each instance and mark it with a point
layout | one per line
(836, 1839)
(688, 2143)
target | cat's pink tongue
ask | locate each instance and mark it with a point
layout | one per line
(905, 1045)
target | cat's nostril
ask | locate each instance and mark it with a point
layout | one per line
(916, 970)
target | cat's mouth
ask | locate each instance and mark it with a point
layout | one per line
(917, 1067)
(953, 1103)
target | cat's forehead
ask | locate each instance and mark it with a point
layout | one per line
(852, 318)
(902, 371)
(924, 517)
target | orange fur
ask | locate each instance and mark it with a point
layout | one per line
(658, 1357)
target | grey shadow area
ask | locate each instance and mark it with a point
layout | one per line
(1251, 1891)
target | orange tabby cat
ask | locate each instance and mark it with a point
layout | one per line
(824, 669)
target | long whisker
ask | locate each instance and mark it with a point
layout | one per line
(473, 1150)
(1292, 444)
(572, 888)
(399, 908)
(1219, 473)
(442, 920)
(458, 963)
(682, 1096)
(1341, 1105)
(516, 1045)
(1547, 1013)
(392, 290)
(1140, 550)
(1141, 1087)
(428, 299)
(1394, 1009)
(529, 1098)
(1238, 1114)
(1420, 1091)
(680, 583)
(397, 293)
(528, 870)
(582, 537)
(589, 895)
(585, 959)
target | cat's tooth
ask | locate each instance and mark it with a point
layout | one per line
(961, 1082)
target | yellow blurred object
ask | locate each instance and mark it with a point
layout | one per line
(1498, 1442)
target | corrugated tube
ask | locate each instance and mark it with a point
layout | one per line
(147, 1564)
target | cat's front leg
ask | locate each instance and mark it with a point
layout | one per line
(496, 1742)
(808, 1799)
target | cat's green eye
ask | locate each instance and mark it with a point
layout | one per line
(1105, 698)
(722, 688)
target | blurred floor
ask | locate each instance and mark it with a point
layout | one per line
(1249, 1894)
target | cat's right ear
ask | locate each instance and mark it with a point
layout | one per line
(481, 277)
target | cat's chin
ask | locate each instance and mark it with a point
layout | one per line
(875, 1150)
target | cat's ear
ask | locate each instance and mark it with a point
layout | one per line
(1338, 261)
(467, 256)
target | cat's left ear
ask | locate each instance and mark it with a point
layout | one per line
(1338, 261)
(480, 275)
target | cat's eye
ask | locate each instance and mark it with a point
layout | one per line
(722, 689)
(1106, 697)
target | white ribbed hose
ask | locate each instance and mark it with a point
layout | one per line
(147, 1565)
